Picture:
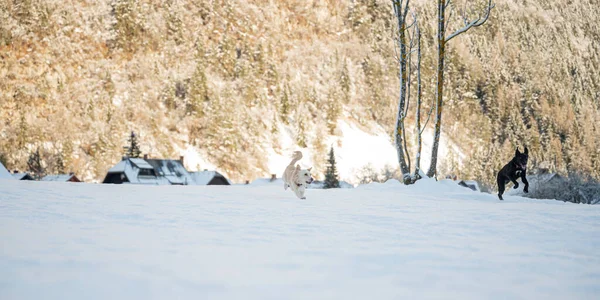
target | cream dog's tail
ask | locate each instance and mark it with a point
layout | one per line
(296, 157)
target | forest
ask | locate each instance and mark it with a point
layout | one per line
(225, 76)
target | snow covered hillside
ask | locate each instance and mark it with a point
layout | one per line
(355, 149)
(379, 241)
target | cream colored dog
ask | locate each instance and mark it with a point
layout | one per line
(295, 178)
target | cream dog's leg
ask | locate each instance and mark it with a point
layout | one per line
(300, 192)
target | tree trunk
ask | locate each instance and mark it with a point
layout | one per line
(407, 102)
(442, 40)
(416, 176)
(440, 88)
(399, 130)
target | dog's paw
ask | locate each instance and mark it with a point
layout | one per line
(526, 190)
(303, 198)
(516, 186)
(500, 197)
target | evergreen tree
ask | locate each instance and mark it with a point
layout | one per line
(274, 125)
(331, 177)
(285, 105)
(345, 81)
(301, 136)
(60, 164)
(199, 92)
(174, 23)
(356, 14)
(35, 166)
(258, 60)
(128, 24)
(271, 73)
(133, 150)
(67, 153)
(22, 137)
(333, 111)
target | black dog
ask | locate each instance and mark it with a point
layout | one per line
(516, 168)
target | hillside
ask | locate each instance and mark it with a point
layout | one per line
(228, 80)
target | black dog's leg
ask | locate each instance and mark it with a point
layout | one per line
(514, 180)
(524, 179)
(500, 186)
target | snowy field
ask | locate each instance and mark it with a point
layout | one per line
(380, 241)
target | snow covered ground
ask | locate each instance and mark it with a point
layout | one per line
(379, 241)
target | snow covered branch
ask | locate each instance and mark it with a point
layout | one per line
(474, 23)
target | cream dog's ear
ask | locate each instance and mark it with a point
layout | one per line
(309, 169)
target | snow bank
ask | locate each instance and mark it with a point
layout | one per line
(4, 174)
(378, 241)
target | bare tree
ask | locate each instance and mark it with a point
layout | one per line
(407, 43)
(442, 39)
(401, 11)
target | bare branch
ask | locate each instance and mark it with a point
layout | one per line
(448, 19)
(475, 23)
(411, 25)
(409, 38)
(397, 4)
(406, 9)
(428, 117)
(412, 38)
(396, 54)
(411, 49)
(400, 16)
(447, 3)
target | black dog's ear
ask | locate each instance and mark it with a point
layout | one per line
(517, 152)
(526, 151)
